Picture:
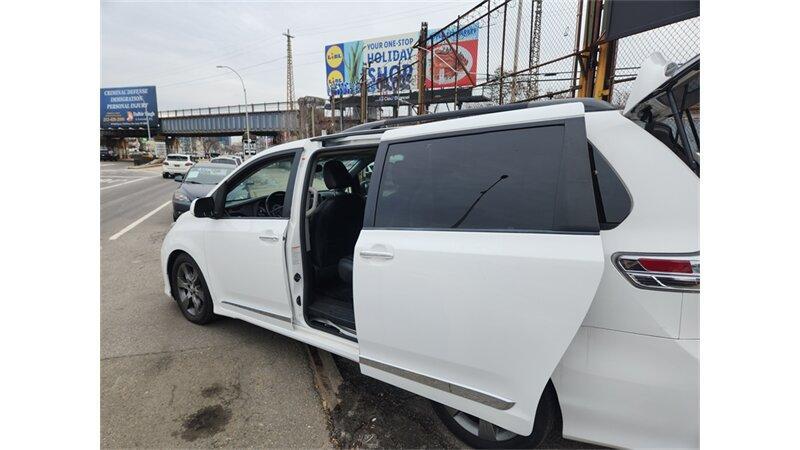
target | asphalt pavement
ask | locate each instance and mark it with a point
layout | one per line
(168, 383)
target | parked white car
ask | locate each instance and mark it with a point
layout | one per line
(177, 164)
(530, 268)
(232, 160)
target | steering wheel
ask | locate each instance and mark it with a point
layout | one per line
(273, 204)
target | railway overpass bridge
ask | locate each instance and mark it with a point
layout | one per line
(266, 119)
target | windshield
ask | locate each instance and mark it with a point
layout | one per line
(206, 175)
(177, 157)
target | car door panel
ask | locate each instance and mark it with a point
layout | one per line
(247, 255)
(248, 267)
(479, 319)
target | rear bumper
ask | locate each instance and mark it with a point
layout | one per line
(174, 170)
(630, 390)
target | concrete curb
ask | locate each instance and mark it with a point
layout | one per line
(327, 378)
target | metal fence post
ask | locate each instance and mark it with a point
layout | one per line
(503, 52)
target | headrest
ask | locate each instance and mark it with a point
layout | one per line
(335, 175)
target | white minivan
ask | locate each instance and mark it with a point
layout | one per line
(531, 268)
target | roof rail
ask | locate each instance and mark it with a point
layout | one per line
(379, 126)
(589, 104)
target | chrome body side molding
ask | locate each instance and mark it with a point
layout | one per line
(461, 391)
(265, 313)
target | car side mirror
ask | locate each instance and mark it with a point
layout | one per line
(203, 207)
(178, 178)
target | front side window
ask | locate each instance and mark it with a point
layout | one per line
(262, 193)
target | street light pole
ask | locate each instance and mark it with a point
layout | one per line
(246, 105)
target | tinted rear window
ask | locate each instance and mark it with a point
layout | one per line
(223, 161)
(177, 158)
(614, 203)
(500, 180)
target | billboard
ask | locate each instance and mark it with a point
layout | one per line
(392, 62)
(446, 61)
(128, 107)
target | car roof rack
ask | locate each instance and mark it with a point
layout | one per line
(379, 126)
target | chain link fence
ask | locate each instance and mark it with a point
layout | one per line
(678, 42)
(528, 50)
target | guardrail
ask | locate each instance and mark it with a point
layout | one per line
(231, 109)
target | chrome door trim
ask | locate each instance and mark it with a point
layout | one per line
(265, 313)
(375, 254)
(461, 391)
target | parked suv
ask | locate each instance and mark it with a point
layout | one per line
(177, 163)
(531, 268)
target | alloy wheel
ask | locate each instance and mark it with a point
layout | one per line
(479, 427)
(191, 294)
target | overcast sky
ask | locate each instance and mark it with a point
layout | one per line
(176, 45)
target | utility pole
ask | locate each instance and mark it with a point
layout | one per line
(289, 75)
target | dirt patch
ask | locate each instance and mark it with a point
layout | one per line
(373, 414)
(212, 391)
(205, 422)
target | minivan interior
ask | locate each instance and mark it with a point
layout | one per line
(335, 197)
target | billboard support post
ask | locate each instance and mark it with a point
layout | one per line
(363, 102)
(147, 121)
(458, 62)
(341, 112)
(421, 69)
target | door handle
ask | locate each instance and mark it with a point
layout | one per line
(375, 254)
(269, 238)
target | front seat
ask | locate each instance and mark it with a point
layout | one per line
(336, 223)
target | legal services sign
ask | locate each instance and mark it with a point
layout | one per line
(391, 62)
(128, 107)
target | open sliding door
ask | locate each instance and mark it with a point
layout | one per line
(479, 258)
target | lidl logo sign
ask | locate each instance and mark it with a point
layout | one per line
(335, 78)
(334, 56)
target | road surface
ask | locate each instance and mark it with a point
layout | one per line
(168, 383)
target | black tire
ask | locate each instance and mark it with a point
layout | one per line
(164, 175)
(191, 293)
(544, 425)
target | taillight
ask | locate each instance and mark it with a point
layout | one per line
(165, 163)
(661, 272)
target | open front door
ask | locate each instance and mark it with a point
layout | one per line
(479, 259)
